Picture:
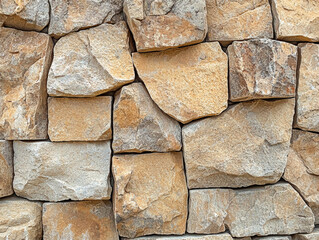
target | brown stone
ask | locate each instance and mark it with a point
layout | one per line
(273, 238)
(222, 236)
(6, 168)
(308, 236)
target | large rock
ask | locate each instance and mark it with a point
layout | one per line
(222, 236)
(150, 194)
(91, 62)
(6, 168)
(24, 61)
(139, 125)
(79, 220)
(308, 236)
(262, 68)
(186, 83)
(60, 171)
(20, 219)
(162, 24)
(80, 119)
(269, 210)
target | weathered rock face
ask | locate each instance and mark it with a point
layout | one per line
(246, 145)
(73, 15)
(20, 219)
(184, 20)
(238, 20)
(222, 236)
(187, 83)
(60, 171)
(80, 119)
(91, 62)
(262, 68)
(79, 220)
(24, 63)
(310, 236)
(139, 125)
(25, 15)
(6, 168)
(273, 238)
(150, 194)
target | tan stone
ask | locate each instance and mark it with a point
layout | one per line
(310, 236)
(150, 194)
(262, 68)
(79, 220)
(186, 83)
(6, 168)
(24, 61)
(222, 236)
(273, 238)
(80, 119)
(140, 126)
(185, 23)
(91, 62)
(20, 219)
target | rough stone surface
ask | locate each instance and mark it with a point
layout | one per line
(187, 83)
(184, 20)
(150, 194)
(310, 236)
(6, 168)
(80, 119)
(139, 125)
(273, 238)
(60, 171)
(91, 62)
(24, 61)
(246, 145)
(20, 219)
(79, 221)
(222, 236)
(262, 68)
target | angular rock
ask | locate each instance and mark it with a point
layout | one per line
(150, 194)
(222, 236)
(139, 125)
(238, 20)
(91, 62)
(24, 61)
(309, 236)
(79, 220)
(187, 83)
(273, 238)
(73, 15)
(6, 168)
(20, 219)
(25, 15)
(185, 23)
(61, 171)
(80, 119)
(262, 68)
(246, 145)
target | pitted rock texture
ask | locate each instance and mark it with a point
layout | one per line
(6, 168)
(140, 126)
(162, 24)
(79, 221)
(91, 62)
(186, 83)
(222, 236)
(308, 236)
(49, 171)
(80, 119)
(262, 68)
(24, 61)
(150, 194)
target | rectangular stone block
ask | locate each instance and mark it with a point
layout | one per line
(6, 168)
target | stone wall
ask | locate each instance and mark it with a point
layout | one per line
(159, 119)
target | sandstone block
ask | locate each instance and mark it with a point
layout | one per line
(222, 236)
(307, 236)
(6, 168)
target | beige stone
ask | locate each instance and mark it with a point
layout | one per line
(6, 168)
(91, 62)
(162, 24)
(273, 238)
(262, 68)
(222, 236)
(24, 61)
(80, 119)
(186, 83)
(61, 171)
(310, 236)
(79, 221)
(150, 194)
(20, 219)
(140, 126)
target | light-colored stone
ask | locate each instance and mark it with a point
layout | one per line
(24, 61)
(273, 238)
(310, 236)
(262, 68)
(20, 219)
(60, 171)
(91, 62)
(80, 119)
(25, 14)
(140, 126)
(246, 145)
(73, 15)
(186, 83)
(79, 220)
(162, 24)
(150, 194)
(6, 168)
(222, 236)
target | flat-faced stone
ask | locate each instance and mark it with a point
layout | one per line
(6, 168)
(222, 236)
(273, 238)
(307, 236)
